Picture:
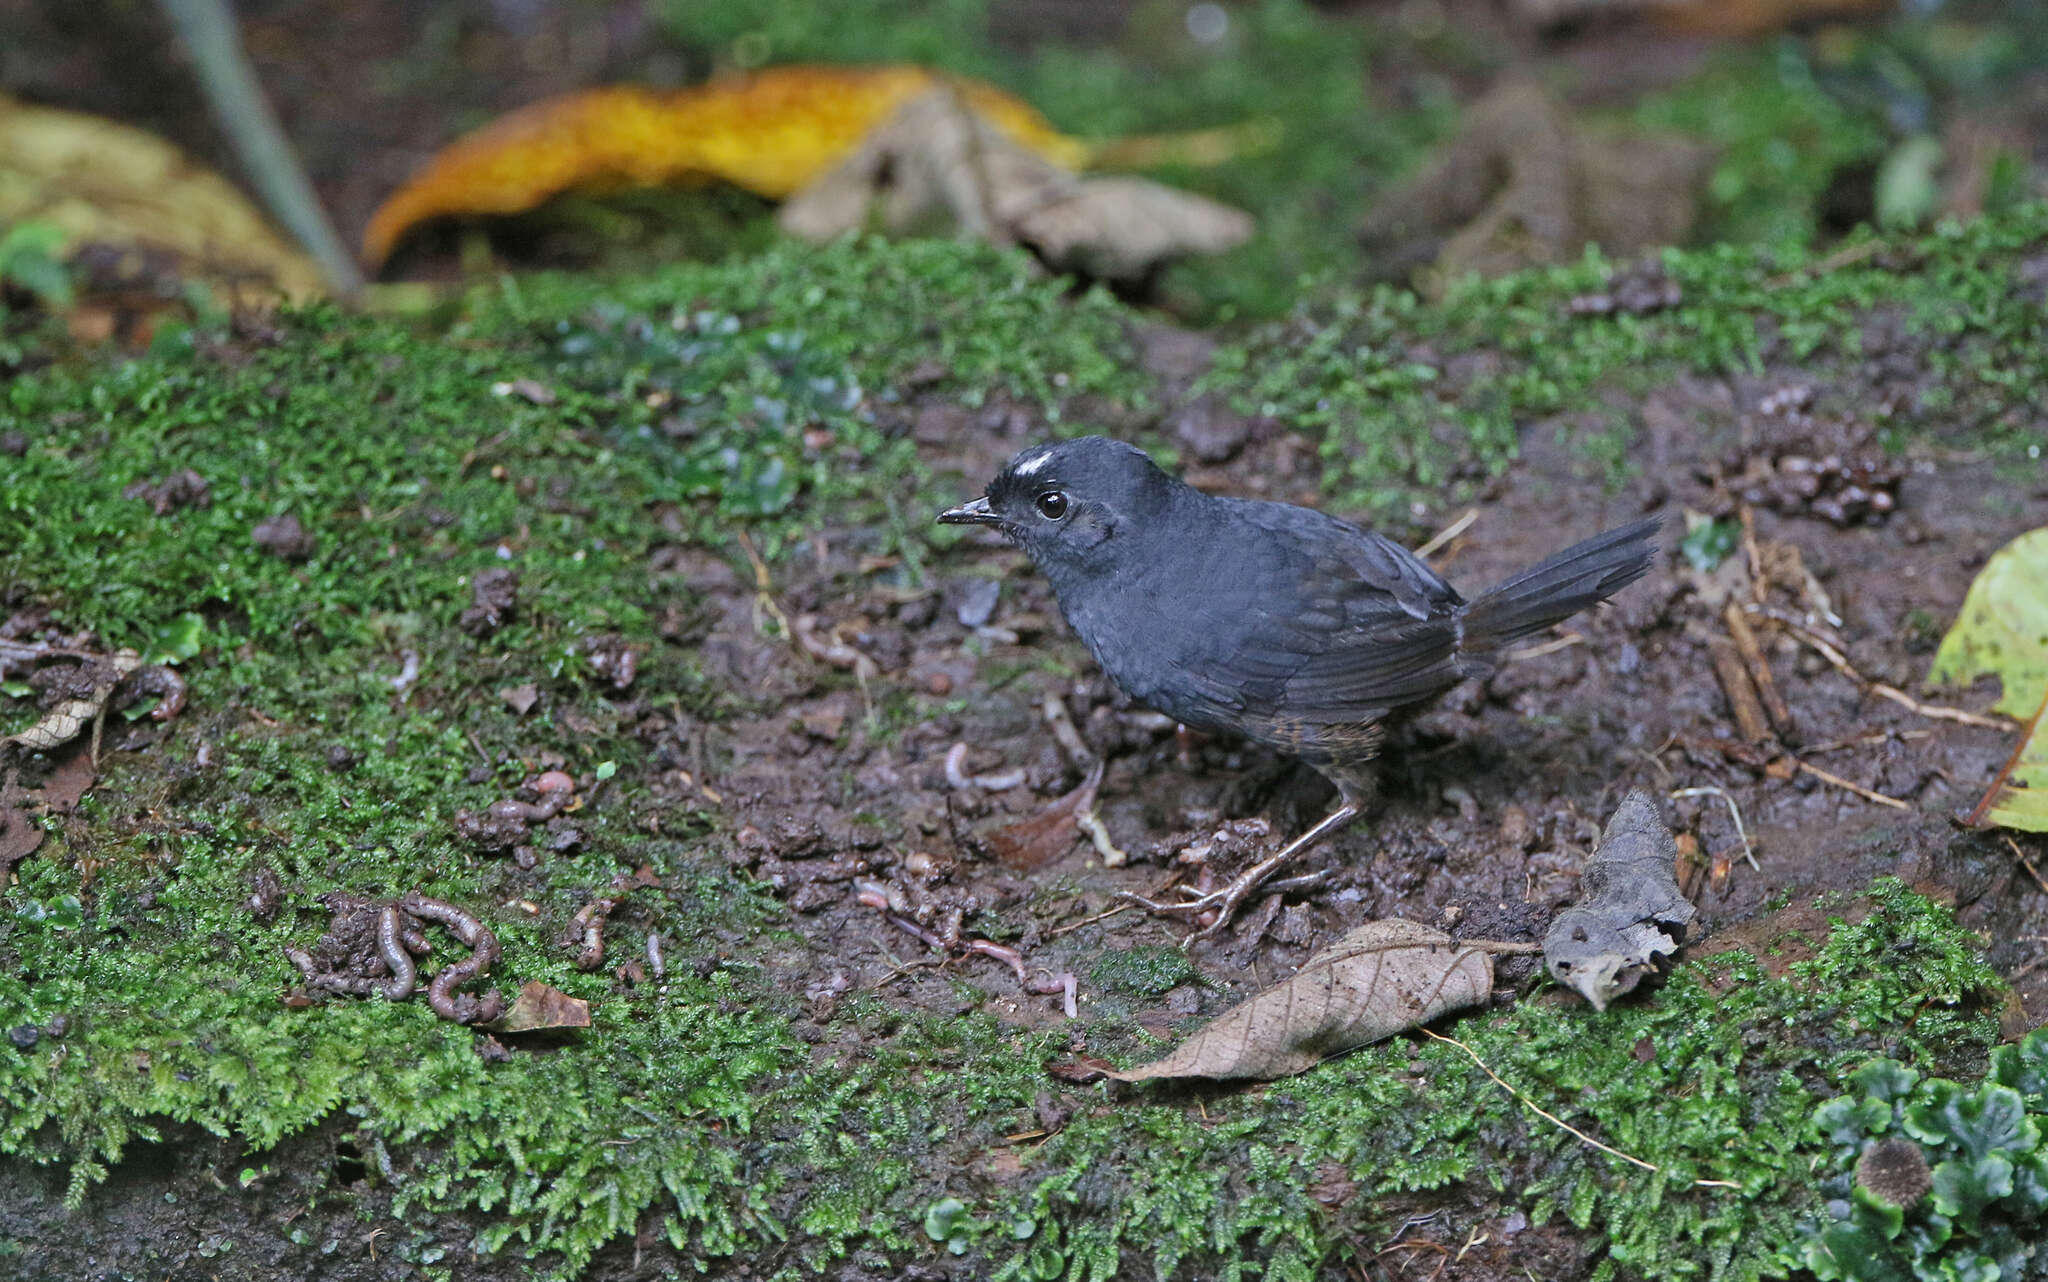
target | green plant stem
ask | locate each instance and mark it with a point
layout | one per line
(208, 29)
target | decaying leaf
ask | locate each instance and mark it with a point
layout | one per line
(772, 132)
(1379, 979)
(118, 190)
(940, 161)
(20, 834)
(2003, 627)
(67, 717)
(1631, 914)
(1525, 184)
(541, 1006)
(2003, 630)
(1036, 840)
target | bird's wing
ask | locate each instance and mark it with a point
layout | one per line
(1324, 624)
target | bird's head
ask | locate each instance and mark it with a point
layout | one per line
(1072, 504)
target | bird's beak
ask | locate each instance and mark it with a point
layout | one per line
(975, 513)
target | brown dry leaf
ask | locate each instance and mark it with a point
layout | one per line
(939, 162)
(19, 833)
(1631, 915)
(1037, 840)
(1379, 979)
(1524, 184)
(541, 1006)
(118, 190)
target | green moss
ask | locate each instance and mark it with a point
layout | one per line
(1375, 378)
(692, 1103)
(1144, 972)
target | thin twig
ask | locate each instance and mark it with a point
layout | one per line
(214, 43)
(1826, 649)
(1850, 786)
(1449, 532)
(1551, 646)
(1538, 1109)
(1747, 852)
(2032, 871)
(1089, 921)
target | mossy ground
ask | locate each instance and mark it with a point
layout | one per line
(722, 1110)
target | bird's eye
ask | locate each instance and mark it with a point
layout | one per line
(1052, 505)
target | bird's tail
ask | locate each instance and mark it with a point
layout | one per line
(1583, 574)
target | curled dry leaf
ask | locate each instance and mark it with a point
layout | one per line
(1631, 914)
(940, 158)
(1381, 978)
(541, 1006)
(2003, 630)
(67, 717)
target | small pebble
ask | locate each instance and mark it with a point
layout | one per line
(24, 1036)
(978, 603)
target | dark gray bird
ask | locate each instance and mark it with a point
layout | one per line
(1275, 622)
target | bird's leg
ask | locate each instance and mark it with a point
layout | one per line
(1226, 900)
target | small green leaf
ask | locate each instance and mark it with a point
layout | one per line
(2030, 1182)
(1876, 1214)
(1884, 1079)
(944, 1218)
(1907, 187)
(1853, 1253)
(16, 689)
(606, 769)
(179, 640)
(1848, 1121)
(2023, 1065)
(1708, 544)
(1963, 1189)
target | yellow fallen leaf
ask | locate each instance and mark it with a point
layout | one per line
(107, 184)
(770, 132)
(2018, 795)
(2002, 629)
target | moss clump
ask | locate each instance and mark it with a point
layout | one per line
(1144, 972)
(692, 1104)
(548, 432)
(1375, 378)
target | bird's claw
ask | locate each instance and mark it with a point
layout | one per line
(1224, 900)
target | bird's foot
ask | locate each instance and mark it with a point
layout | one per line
(1224, 901)
(1216, 908)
